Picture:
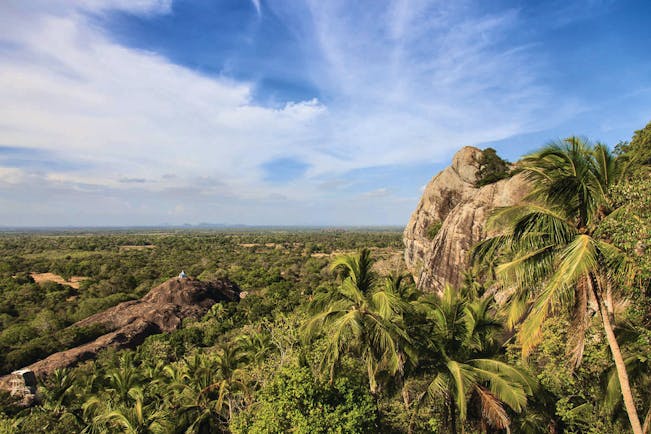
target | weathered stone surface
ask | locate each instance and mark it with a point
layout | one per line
(452, 199)
(129, 323)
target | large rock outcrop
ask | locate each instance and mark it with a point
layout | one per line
(452, 202)
(129, 323)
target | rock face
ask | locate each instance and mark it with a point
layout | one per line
(452, 201)
(129, 323)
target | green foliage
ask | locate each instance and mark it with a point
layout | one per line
(192, 380)
(636, 154)
(492, 168)
(555, 254)
(362, 318)
(462, 360)
(296, 401)
(571, 398)
(433, 229)
(398, 361)
(273, 266)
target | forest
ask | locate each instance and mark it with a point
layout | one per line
(549, 332)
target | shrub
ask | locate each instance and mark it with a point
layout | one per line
(491, 168)
(433, 229)
(295, 401)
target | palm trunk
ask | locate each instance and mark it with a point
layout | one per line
(622, 375)
(453, 417)
(647, 422)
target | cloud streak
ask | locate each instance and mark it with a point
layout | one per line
(400, 83)
(133, 112)
(257, 6)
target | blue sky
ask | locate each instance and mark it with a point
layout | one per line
(143, 112)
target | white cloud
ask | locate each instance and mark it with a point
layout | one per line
(256, 5)
(132, 113)
(406, 84)
(379, 192)
(11, 175)
(414, 80)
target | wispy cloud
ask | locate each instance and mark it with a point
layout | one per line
(257, 6)
(400, 83)
(380, 192)
(414, 79)
(133, 112)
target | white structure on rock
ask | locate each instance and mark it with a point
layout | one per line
(23, 383)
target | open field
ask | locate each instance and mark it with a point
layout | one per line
(137, 247)
(51, 277)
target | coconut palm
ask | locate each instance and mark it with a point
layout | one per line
(138, 418)
(190, 382)
(552, 254)
(58, 390)
(121, 381)
(464, 360)
(402, 285)
(361, 318)
(638, 367)
(255, 346)
(205, 389)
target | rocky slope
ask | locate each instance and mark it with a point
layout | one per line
(129, 323)
(452, 201)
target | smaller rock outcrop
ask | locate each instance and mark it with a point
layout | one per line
(458, 209)
(129, 323)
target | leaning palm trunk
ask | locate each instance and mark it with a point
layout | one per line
(647, 422)
(622, 375)
(553, 243)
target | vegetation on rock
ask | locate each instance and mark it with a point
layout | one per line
(492, 168)
(433, 229)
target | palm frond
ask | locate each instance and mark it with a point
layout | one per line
(462, 377)
(438, 387)
(580, 324)
(488, 249)
(517, 306)
(358, 267)
(388, 304)
(492, 410)
(576, 260)
(507, 383)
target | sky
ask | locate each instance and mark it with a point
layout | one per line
(294, 112)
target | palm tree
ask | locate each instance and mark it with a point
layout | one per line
(121, 381)
(58, 390)
(204, 388)
(255, 346)
(552, 254)
(638, 367)
(189, 382)
(139, 418)
(361, 318)
(464, 358)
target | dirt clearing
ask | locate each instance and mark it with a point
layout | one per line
(51, 277)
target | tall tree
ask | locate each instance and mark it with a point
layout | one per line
(465, 359)
(362, 318)
(553, 254)
(138, 418)
(636, 154)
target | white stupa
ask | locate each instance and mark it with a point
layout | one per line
(183, 275)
